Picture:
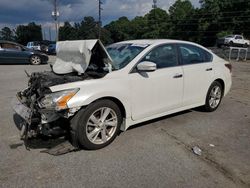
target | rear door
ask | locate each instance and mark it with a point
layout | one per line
(198, 73)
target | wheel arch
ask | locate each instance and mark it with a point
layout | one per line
(116, 101)
(221, 81)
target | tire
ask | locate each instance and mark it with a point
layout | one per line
(213, 100)
(88, 128)
(245, 45)
(231, 43)
(35, 60)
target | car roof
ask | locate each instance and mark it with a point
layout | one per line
(158, 41)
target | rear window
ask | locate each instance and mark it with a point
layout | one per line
(191, 54)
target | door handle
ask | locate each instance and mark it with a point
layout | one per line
(177, 76)
(209, 69)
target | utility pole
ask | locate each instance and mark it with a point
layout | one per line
(44, 34)
(49, 34)
(154, 6)
(55, 15)
(100, 18)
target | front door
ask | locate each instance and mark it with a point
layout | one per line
(159, 91)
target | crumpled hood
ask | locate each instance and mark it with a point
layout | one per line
(76, 56)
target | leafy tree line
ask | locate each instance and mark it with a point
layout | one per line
(22, 34)
(214, 18)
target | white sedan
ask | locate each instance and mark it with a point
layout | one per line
(148, 79)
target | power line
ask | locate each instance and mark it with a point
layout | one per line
(216, 23)
(209, 31)
(221, 17)
(221, 12)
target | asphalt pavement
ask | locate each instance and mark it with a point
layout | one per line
(157, 153)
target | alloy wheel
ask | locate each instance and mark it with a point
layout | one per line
(35, 60)
(215, 97)
(101, 125)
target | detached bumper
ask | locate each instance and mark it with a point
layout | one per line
(22, 110)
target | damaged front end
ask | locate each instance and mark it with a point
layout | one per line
(45, 112)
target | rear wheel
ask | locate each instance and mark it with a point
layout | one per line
(97, 125)
(35, 60)
(214, 96)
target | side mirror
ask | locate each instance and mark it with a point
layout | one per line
(146, 66)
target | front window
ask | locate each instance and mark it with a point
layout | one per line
(163, 56)
(124, 53)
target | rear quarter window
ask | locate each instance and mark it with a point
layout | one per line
(192, 54)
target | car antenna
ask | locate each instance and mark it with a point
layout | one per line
(26, 73)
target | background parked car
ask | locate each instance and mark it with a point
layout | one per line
(13, 53)
(51, 49)
(233, 40)
(38, 45)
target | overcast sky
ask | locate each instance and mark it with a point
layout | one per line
(24, 11)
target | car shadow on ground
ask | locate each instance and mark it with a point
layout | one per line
(61, 145)
(37, 143)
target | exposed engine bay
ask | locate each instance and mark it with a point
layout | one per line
(46, 113)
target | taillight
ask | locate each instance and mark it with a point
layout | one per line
(229, 66)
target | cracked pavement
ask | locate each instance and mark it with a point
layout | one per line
(157, 153)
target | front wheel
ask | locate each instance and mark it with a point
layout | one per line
(97, 125)
(35, 60)
(214, 96)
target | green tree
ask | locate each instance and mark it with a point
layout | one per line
(138, 27)
(120, 29)
(67, 32)
(224, 16)
(88, 28)
(183, 22)
(30, 32)
(157, 24)
(7, 34)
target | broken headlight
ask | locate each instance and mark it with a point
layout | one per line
(57, 100)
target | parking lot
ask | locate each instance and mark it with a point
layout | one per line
(153, 154)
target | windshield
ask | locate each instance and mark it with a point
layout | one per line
(123, 53)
